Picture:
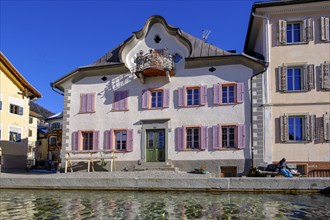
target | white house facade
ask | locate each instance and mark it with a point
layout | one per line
(162, 97)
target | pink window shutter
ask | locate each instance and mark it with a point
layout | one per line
(216, 138)
(241, 136)
(216, 94)
(83, 103)
(204, 138)
(96, 140)
(145, 99)
(116, 98)
(125, 100)
(179, 139)
(240, 92)
(90, 102)
(106, 142)
(74, 141)
(180, 97)
(184, 96)
(79, 140)
(111, 139)
(129, 140)
(166, 98)
(203, 95)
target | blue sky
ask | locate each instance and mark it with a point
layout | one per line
(45, 40)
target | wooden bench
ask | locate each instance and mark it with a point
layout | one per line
(90, 158)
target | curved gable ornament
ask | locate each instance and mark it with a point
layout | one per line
(158, 40)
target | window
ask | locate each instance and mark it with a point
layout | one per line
(56, 125)
(15, 109)
(14, 136)
(87, 103)
(120, 102)
(87, 140)
(30, 133)
(192, 138)
(297, 128)
(0, 105)
(121, 140)
(231, 93)
(52, 140)
(325, 29)
(30, 120)
(325, 81)
(192, 96)
(291, 32)
(296, 78)
(228, 94)
(155, 98)
(228, 136)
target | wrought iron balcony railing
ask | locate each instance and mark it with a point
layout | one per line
(156, 63)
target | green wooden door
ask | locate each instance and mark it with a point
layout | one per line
(155, 145)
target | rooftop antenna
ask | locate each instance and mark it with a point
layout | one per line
(205, 34)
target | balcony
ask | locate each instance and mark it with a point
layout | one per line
(155, 63)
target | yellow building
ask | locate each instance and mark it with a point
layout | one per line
(15, 95)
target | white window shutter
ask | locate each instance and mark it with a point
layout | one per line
(308, 30)
(282, 31)
(312, 123)
(326, 126)
(284, 128)
(310, 77)
(282, 72)
(325, 29)
(325, 83)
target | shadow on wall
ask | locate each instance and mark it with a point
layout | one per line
(14, 155)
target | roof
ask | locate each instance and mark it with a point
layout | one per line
(273, 3)
(28, 89)
(58, 115)
(198, 47)
(35, 114)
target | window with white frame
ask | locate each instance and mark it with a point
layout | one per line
(15, 109)
(296, 78)
(193, 138)
(325, 29)
(192, 96)
(14, 136)
(291, 32)
(228, 93)
(228, 136)
(155, 98)
(120, 139)
(87, 140)
(297, 128)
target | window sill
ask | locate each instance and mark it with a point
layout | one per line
(192, 106)
(228, 104)
(294, 43)
(296, 142)
(228, 149)
(86, 112)
(160, 108)
(187, 150)
(125, 110)
(296, 91)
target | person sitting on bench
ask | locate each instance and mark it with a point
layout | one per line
(284, 169)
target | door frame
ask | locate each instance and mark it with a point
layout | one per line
(153, 124)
